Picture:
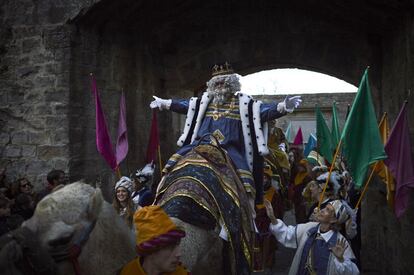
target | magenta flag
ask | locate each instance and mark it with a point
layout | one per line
(103, 140)
(121, 149)
(399, 161)
(154, 141)
(299, 138)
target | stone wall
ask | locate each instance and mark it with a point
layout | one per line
(34, 91)
(388, 243)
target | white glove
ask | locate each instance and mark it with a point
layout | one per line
(282, 147)
(292, 103)
(161, 104)
(289, 104)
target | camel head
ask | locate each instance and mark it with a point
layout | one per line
(65, 218)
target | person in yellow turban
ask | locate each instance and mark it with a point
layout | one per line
(157, 244)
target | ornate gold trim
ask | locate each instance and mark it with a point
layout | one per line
(221, 221)
(178, 194)
(228, 189)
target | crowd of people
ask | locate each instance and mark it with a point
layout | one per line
(18, 199)
(328, 214)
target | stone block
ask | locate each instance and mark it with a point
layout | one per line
(31, 44)
(53, 68)
(60, 108)
(56, 95)
(61, 164)
(28, 151)
(60, 137)
(56, 121)
(15, 97)
(27, 83)
(12, 50)
(20, 137)
(48, 152)
(39, 138)
(25, 31)
(57, 38)
(17, 167)
(63, 81)
(40, 57)
(36, 122)
(34, 96)
(43, 110)
(3, 98)
(45, 81)
(27, 70)
(4, 138)
(12, 151)
(38, 167)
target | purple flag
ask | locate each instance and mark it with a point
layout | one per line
(122, 141)
(399, 161)
(154, 140)
(103, 140)
(299, 138)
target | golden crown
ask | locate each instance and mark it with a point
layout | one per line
(222, 69)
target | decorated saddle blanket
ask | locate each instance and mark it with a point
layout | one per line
(205, 180)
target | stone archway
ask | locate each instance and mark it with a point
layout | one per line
(169, 49)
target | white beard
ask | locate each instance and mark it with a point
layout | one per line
(220, 96)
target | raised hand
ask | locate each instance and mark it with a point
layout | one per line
(269, 212)
(339, 249)
(292, 102)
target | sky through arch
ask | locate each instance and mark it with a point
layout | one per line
(293, 81)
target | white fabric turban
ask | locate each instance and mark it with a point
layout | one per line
(341, 212)
(126, 183)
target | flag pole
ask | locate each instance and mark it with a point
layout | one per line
(159, 159)
(118, 172)
(330, 172)
(317, 142)
(366, 186)
(384, 115)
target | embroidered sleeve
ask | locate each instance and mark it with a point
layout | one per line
(285, 234)
(269, 112)
(180, 105)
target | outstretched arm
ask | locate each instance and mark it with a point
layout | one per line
(272, 111)
(286, 235)
(175, 105)
(180, 106)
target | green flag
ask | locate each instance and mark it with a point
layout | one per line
(323, 136)
(335, 127)
(362, 145)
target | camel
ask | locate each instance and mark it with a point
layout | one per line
(78, 212)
